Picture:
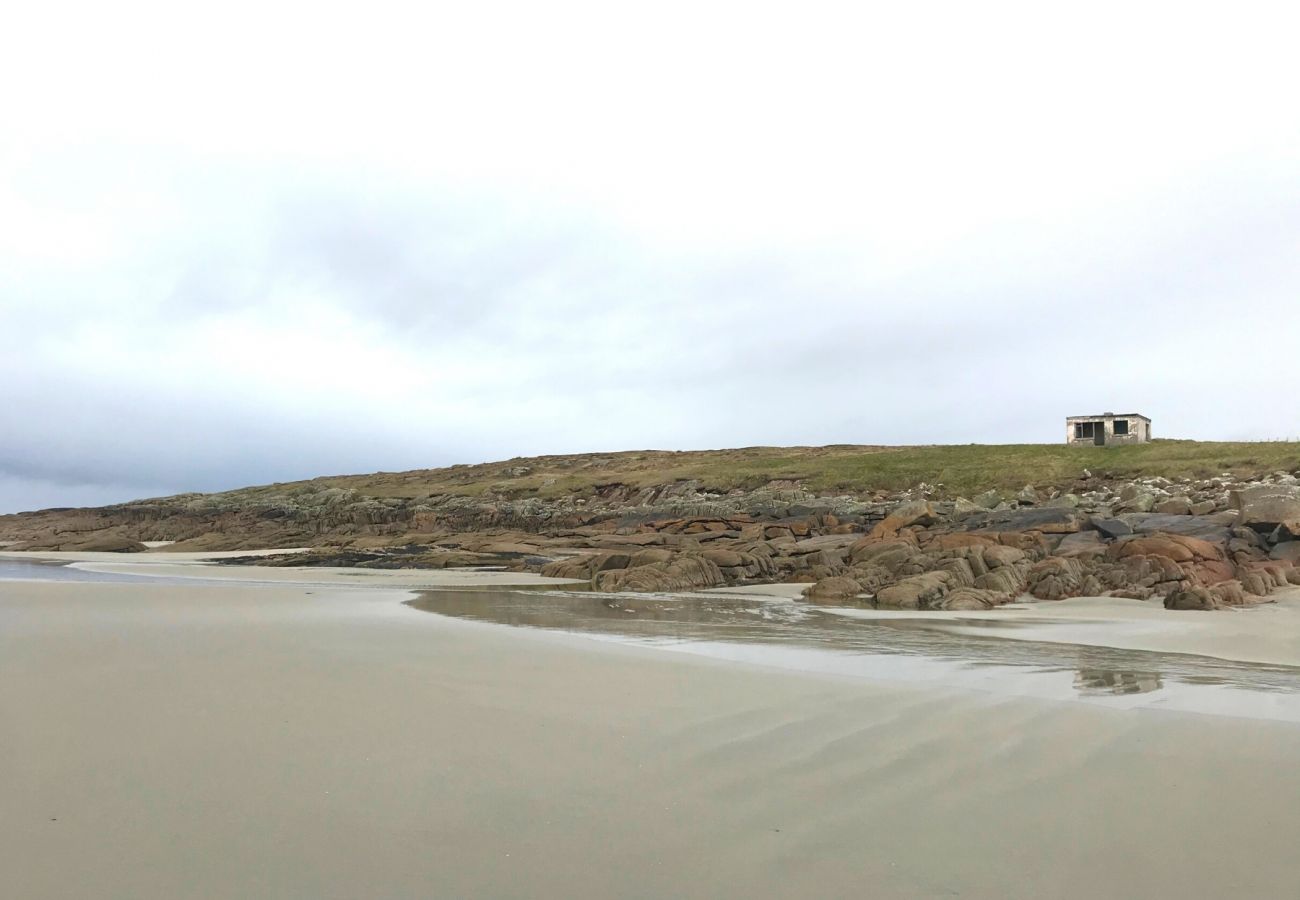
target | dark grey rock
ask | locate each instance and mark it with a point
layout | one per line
(1208, 528)
(1112, 529)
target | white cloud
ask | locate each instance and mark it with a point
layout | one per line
(275, 240)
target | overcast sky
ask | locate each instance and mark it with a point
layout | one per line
(267, 241)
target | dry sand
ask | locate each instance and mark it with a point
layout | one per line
(162, 741)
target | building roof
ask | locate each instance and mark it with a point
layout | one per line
(1112, 415)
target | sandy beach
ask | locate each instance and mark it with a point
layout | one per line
(165, 740)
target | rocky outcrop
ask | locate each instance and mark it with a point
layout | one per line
(1149, 537)
(686, 573)
(92, 542)
(924, 554)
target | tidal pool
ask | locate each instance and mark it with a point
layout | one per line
(925, 648)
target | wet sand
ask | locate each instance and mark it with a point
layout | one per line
(172, 566)
(164, 741)
(912, 650)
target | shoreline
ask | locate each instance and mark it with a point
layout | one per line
(1267, 633)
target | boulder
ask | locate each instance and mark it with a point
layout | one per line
(1065, 501)
(1230, 593)
(1192, 598)
(604, 562)
(999, 556)
(1027, 496)
(833, 589)
(959, 539)
(723, 559)
(1174, 506)
(1160, 545)
(1286, 552)
(958, 568)
(651, 555)
(1142, 576)
(974, 599)
(1081, 544)
(1056, 578)
(923, 591)
(1112, 529)
(1135, 499)
(574, 567)
(1257, 582)
(883, 553)
(1267, 507)
(1198, 562)
(587, 565)
(919, 512)
(1008, 580)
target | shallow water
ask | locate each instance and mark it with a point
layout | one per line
(925, 649)
(46, 570)
(55, 570)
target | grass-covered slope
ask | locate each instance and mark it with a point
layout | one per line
(960, 469)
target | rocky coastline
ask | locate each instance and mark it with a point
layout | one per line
(1189, 543)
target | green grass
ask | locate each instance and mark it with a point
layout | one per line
(962, 470)
(971, 469)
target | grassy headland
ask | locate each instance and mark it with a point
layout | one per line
(960, 469)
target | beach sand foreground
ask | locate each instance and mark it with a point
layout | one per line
(307, 741)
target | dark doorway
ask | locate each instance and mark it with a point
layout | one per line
(1099, 434)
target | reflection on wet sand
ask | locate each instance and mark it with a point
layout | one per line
(784, 633)
(47, 570)
(1111, 681)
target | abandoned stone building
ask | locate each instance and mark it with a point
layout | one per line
(1108, 429)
